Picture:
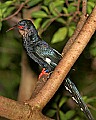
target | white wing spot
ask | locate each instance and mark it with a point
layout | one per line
(68, 89)
(75, 100)
(48, 60)
(81, 109)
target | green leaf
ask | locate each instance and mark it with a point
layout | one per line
(60, 35)
(61, 20)
(45, 9)
(33, 2)
(46, 2)
(8, 11)
(51, 112)
(37, 22)
(62, 115)
(71, 30)
(71, 8)
(70, 114)
(4, 10)
(92, 4)
(52, 7)
(39, 14)
(65, 10)
(6, 4)
(56, 7)
(46, 22)
(59, 3)
(89, 9)
(9, 2)
(62, 101)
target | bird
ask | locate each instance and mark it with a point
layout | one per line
(48, 58)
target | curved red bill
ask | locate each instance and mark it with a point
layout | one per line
(11, 28)
(20, 27)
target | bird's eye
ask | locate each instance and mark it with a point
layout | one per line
(21, 27)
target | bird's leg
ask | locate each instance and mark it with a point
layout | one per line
(43, 72)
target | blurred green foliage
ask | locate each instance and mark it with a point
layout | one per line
(56, 24)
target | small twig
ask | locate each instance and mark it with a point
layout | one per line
(21, 6)
(66, 1)
(78, 5)
(52, 20)
(84, 8)
(78, 28)
(9, 17)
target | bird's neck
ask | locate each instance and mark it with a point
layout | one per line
(34, 37)
(30, 37)
(33, 34)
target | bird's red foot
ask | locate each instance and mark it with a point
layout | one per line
(43, 72)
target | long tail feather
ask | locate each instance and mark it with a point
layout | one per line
(70, 86)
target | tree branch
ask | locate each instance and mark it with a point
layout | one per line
(12, 109)
(18, 111)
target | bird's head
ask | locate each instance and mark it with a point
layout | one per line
(24, 27)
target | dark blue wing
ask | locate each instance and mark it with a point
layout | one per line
(31, 51)
(47, 54)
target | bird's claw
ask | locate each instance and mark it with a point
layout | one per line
(43, 72)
